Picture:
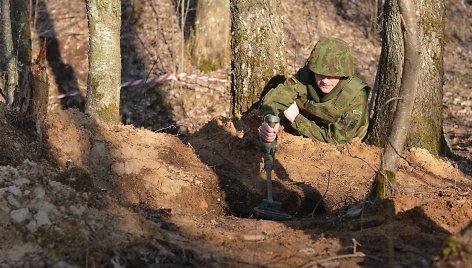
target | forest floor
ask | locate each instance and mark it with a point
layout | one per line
(176, 185)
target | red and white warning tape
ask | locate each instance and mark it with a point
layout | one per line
(150, 81)
(69, 94)
(53, 100)
(172, 76)
(201, 77)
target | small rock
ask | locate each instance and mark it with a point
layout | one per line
(39, 192)
(20, 215)
(43, 206)
(203, 204)
(42, 218)
(78, 211)
(13, 201)
(253, 237)
(63, 264)
(3, 191)
(4, 219)
(55, 184)
(4, 207)
(355, 210)
(32, 226)
(308, 251)
(15, 190)
(21, 181)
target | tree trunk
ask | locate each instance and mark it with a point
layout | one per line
(388, 75)
(426, 126)
(409, 83)
(11, 80)
(21, 34)
(210, 44)
(258, 50)
(104, 78)
(21, 31)
(36, 99)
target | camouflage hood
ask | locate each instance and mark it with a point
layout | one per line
(331, 57)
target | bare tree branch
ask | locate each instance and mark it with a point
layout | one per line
(402, 119)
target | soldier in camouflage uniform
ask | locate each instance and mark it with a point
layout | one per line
(324, 100)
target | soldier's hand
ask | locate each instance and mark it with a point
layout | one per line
(291, 112)
(268, 134)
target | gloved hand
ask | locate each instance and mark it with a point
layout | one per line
(291, 112)
(268, 134)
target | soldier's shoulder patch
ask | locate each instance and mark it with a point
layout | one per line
(292, 80)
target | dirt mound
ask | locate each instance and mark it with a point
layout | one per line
(119, 195)
(306, 172)
(18, 137)
(96, 189)
(137, 164)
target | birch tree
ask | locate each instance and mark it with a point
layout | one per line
(27, 94)
(11, 74)
(385, 178)
(104, 78)
(21, 34)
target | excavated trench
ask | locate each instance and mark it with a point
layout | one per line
(241, 199)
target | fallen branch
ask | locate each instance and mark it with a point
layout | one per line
(339, 257)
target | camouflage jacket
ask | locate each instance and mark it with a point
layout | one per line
(336, 117)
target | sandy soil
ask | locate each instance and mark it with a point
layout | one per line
(99, 195)
(177, 185)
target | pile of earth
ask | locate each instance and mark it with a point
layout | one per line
(83, 194)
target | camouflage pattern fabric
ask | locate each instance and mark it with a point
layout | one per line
(331, 57)
(336, 117)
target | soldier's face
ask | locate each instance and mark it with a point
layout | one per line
(326, 83)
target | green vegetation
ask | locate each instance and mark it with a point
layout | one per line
(383, 184)
(109, 113)
(207, 65)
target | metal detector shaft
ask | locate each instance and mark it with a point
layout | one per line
(269, 182)
(269, 148)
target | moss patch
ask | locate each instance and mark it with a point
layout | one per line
(109, 114)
